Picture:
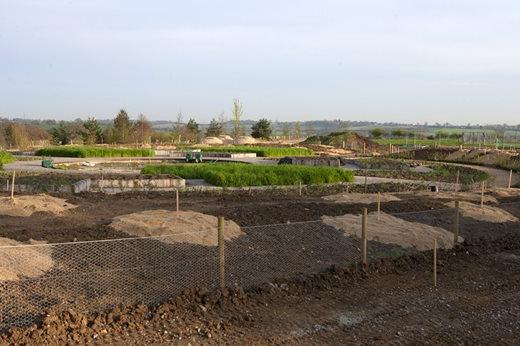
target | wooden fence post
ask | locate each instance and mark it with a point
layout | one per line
(300, 188)
(12, 186)
(482, 196)
(378, 206)
(364, 148)
(221, 253)
(364, 257)
(456, 224)
(177, 199)
(434, 262)
(510, 179)
(366, 182)
(457, 180)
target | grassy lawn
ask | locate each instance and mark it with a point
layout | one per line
(5, 158)
(237, 174)
(84, 151)
(261, 151)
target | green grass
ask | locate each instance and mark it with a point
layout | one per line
(83, 151)
(238, 175)
(5, 158)
(448, 142)
(440, 172)
(261, 151)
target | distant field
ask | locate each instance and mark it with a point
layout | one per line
(261, 151)
(83, 151)
(433, 142)
(5, 158)
(236, 174)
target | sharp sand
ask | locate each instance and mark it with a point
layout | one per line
(363, 198)
(463, 196)
(505, 192)
(486, 213)
(27, 205)
(182, 227)
(18, 261)
(392, 230)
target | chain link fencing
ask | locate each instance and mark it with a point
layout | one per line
(94, 276)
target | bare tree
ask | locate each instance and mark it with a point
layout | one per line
(178, 127)
(237, 116)
(142, 129)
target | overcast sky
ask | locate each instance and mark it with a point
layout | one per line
(410, 61)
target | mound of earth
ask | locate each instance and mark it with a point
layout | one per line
(176, 227)
(504, 192)
(18, 261)
(226, 139)
(246, 140)
(486, 213)
(29, 204)
(363, 198)
(463, 196)
(320, 149)
(212, 140)
(346, 140)
(392, 230)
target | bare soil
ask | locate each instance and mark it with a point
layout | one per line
(91, 218)
(477, 301)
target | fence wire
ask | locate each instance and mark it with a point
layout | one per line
(94, 276)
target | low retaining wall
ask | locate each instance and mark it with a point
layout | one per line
(311, 161)
(182, 154)
(112, 186)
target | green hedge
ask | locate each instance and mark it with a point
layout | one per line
(261, 151)
(237, 174)
(81, 151)
(5, 158)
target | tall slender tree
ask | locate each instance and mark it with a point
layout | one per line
(237, 114)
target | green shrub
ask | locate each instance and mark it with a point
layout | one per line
(238, 174)
(261, 151)
(5, 158)
(83, 151)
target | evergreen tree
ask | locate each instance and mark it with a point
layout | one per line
(122, 127)
(214, 129)
(262, 129)
(92, 133)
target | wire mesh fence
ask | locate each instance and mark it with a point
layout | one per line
(97, 275)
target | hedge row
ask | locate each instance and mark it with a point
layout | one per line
(83, 151)
(238, 175)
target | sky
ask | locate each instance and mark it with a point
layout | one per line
(454, 61)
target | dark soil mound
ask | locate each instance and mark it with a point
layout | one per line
(346, 140)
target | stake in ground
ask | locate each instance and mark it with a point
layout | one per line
(239, 175)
